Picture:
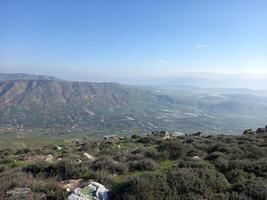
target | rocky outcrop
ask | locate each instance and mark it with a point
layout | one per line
(161, 134)
(258, 131)
(78, 195)
(96, 190)
(101, 193)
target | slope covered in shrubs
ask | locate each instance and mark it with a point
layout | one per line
(143, 168)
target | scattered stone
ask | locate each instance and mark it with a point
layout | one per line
(49, 158)
(58, 148)
(111, 139)
(90, 157)
(18, 192)
(71, 185)
(162, 134)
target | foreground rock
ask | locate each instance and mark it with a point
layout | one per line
(94, 191)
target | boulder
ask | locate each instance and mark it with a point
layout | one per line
(260, 130)
(78, 195)
(100, 191)
(249, 131)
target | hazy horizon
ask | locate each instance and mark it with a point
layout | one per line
(202, 43)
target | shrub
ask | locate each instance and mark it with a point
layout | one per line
(256, 189)
(221, 164)
(174, 148)
(258, 167)
(63, 169)
(198, 181)
(200, 164)
(50, 188)
(236, 176)
(185, 181)
(110, 165)
(142, 165)
(148, 186)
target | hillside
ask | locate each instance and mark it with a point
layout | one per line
(46, 103)
(110, 108)
(19, 76)
(157, 166)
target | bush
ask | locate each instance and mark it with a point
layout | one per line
(142, 165)
(236, 176)
(148, 186)
(256, 189)
(199, 181)
(50, 188)
(63, 170)
(110, 165)
(221, 164)
(175, 149)
(258, 167)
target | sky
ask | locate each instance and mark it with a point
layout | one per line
(220, 43)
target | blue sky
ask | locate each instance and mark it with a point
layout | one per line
(135, 40)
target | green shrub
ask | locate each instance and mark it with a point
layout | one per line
(110, 165)
(236, 176)
(256, 189)
(142, 165)
(175, 149)
(63, 170)
(148, 186)
(199, 181)
(50, 188)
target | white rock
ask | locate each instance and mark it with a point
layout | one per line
(49, 158)
(90, 157)
(196, 158)
(101, 193)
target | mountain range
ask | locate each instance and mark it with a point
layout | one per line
(32, 101)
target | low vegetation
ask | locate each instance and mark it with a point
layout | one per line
(143, 168)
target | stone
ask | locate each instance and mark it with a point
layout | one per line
(196, 158)
(17, 192)
(90, 157)
(49, 158)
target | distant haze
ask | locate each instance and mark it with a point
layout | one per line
(189, 42)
